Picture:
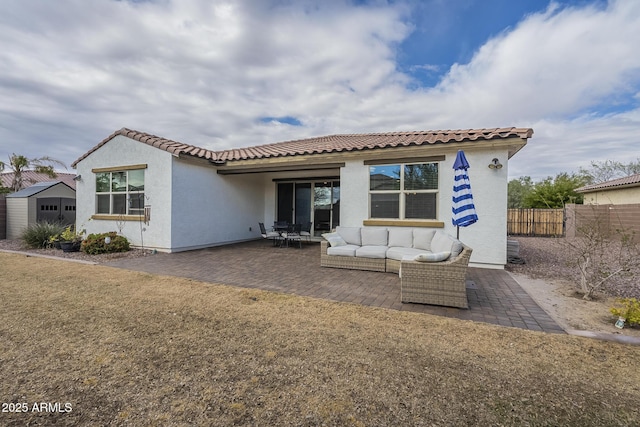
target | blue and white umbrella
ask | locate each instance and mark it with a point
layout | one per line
(464, 211)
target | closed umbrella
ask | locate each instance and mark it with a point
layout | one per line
(464, 211)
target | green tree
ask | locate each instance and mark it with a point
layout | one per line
(18, 164)
(518, 189)
(608, 169)
(555, 192)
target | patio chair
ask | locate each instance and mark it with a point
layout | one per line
(305, 231)
(269, 235)
(292, 235)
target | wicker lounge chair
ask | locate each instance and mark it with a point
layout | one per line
(438, 283)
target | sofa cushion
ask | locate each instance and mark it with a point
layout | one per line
(351, 235)
(401, 237)
(372, 251)
(400, 253)
(374, 236)
(422, 238)
(334, 239)
(442, 242)
(346, 250)
(432, 256)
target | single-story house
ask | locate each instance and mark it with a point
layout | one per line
(52, 201)
(621, 191)
(172, 196)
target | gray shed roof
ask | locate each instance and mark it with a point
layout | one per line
(35, 189)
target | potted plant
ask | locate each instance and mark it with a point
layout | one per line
(70, 239)
(54, 242)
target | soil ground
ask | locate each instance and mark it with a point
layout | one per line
(552, 281)
(103, 346)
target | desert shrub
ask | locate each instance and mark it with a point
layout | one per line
(629, 309)
(39, 235)
(94, 244)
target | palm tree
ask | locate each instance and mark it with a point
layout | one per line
(19, 164)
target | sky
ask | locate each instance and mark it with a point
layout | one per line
(222, 74)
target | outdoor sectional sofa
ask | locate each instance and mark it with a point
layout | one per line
(431, 264)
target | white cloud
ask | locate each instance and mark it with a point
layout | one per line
(205, 72)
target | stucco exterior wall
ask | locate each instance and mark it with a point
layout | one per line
(122, 151)
(488, 237)
(354, 189)
(619, 196)
(209, 209)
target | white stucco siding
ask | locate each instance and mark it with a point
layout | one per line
(122, 151)
(354, 193)
(209, 209)
(488, 237)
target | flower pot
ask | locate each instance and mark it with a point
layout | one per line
(70, 246)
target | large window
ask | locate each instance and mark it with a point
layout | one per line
(403, 191)
(120, 192)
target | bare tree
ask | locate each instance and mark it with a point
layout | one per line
(602, 253)
(602, 171)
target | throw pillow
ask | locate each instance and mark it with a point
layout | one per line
(334, 239)
(422, 238)
(432, 257)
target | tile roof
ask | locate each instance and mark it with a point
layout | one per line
(31, 177)
(319, 145)
(631, 180)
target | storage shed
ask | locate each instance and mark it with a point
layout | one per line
(44, 201)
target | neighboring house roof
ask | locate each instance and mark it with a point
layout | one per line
(627, 181)
(324, 144)
(35, 189)
(31, 177)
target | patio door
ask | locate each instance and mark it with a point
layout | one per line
(317, 202)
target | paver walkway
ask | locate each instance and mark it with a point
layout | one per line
(494, 296)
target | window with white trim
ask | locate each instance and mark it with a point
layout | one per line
(120, 192)
(403, 191)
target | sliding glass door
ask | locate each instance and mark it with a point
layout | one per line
(317, 202)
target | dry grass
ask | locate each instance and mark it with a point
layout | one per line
(129, 348)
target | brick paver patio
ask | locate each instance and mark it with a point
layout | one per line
(494, 296)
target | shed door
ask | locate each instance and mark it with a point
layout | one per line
(57, 209)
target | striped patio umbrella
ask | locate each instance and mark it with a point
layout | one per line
(464, 211)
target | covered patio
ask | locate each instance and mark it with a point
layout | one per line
(494, 297)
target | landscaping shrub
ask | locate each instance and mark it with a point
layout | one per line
(628, 309)
(40, 234)
(94, 243)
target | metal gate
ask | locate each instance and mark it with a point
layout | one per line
(56, 209)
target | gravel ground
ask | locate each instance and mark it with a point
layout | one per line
(19, 245)
(549, 258)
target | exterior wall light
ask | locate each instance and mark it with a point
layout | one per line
(495, 164)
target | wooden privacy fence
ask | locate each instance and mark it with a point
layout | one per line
(535, 222)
